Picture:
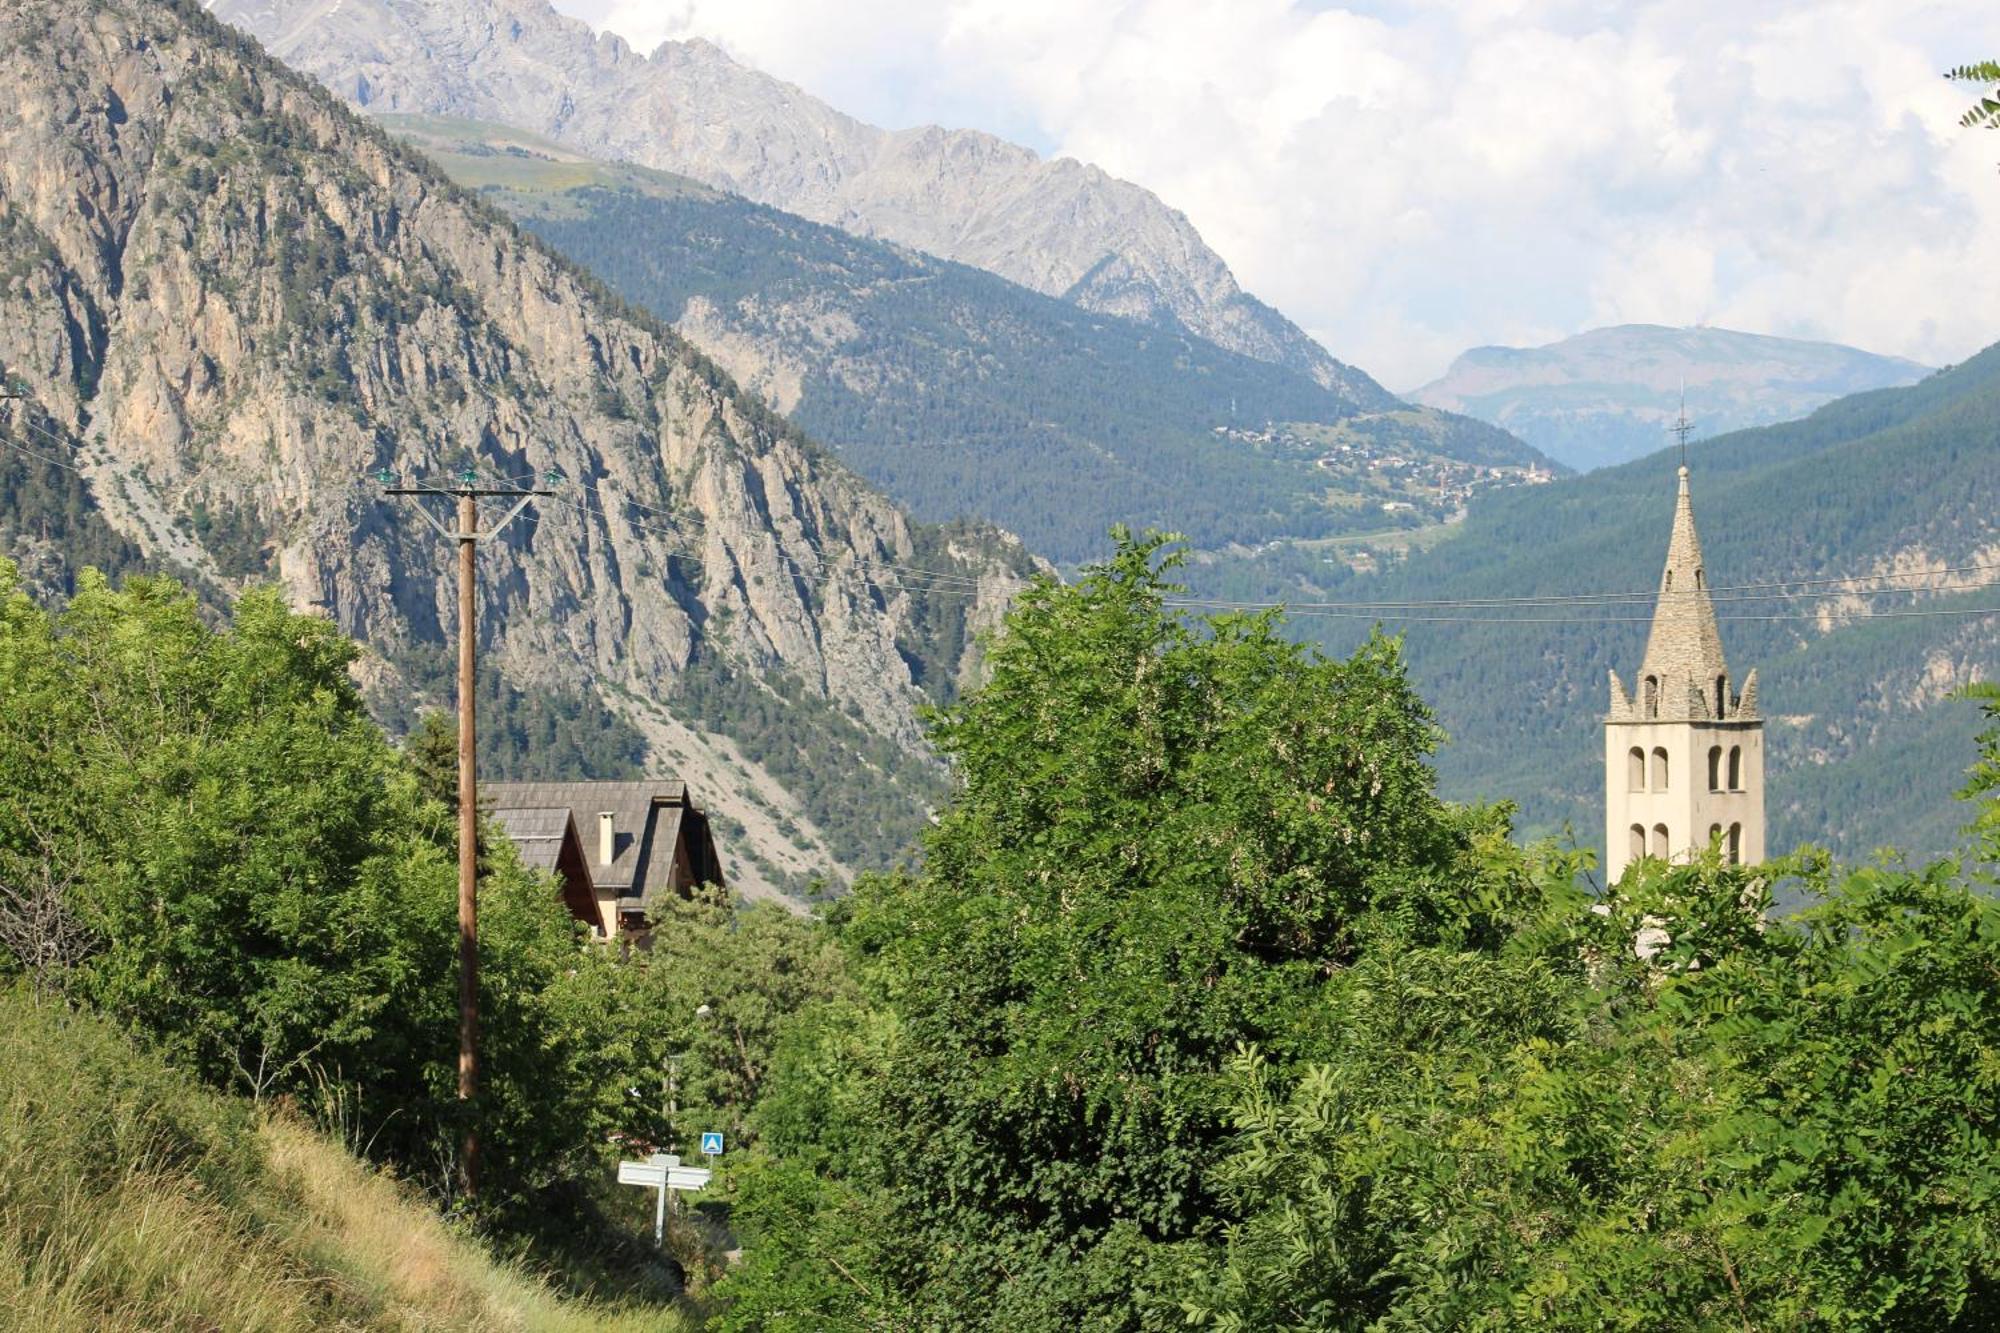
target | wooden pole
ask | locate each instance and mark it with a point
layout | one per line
(468, 841)
(468, 536)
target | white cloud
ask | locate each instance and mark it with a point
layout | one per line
(1406, 178)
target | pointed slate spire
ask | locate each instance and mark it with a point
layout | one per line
(1683, 674)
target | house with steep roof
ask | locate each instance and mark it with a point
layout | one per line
(546, 839)
(620, 848)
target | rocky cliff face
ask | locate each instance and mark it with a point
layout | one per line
(1060, 227)
(232, 300)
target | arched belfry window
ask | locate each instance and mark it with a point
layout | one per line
(1715, 768)
(1660, 841)
(1635, 770)
(1659, 769)
(1736, 844)
(1670, 581)
(1736, 768)
(1700, 581)
(1638, 846)
(1652, 693)
(1722, 696)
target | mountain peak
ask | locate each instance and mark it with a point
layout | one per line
(1608, 394)
(1057, 227)
(261, 299)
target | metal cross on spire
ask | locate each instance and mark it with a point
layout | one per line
(1682, 425)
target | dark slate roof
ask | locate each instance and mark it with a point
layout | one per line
(536, 832)
(646, 819)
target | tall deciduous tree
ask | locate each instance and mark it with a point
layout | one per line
(1168, 834)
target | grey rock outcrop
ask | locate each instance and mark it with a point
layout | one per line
(234, 299)
(1058, 226)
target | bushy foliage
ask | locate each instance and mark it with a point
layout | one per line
(1982, 785)
(721, 982)
(267, 894)
(1985, 113)
(1203, 1011)
(1770, 1124)
(1167, 835)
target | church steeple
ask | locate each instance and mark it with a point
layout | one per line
(1683, 674)
(1683, 750)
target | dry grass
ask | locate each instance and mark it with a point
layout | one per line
(130, 1198)
(411, 1269)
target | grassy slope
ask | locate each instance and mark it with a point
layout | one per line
(130, 1197)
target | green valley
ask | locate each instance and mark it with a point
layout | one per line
(962, 394)
(1890, 482)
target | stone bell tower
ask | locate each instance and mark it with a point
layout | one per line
(1683, 753)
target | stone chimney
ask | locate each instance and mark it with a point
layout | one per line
(607, 837)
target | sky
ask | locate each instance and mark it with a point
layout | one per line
(1409, 178)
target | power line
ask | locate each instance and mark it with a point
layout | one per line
(901, 578)
(837, 567)
(1618, 600)
(1834, 586)
(1869, 614)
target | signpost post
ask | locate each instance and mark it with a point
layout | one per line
(663, 1172)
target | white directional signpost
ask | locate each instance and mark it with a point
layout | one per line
(663, 1172)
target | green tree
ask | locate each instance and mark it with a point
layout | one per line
(1167, 836)
(1982, 785)
(263, 889)
(720, 982)
(1769, 1124)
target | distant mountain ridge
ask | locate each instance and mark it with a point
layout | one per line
(956, 391)
(1609, 395)
(1059, 227)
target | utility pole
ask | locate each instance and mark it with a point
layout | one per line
(468, 536)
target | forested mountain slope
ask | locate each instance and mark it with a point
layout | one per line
(1609, 395)
(1060, 227)
(231, 299)
(956, 391)
(1865, 747)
